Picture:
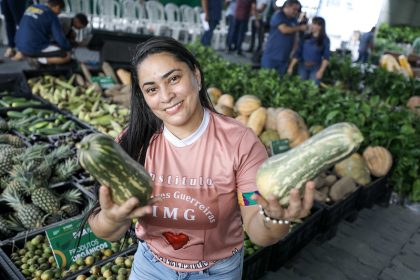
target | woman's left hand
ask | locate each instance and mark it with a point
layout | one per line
(298, 207)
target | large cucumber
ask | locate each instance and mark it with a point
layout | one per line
(283, 172)
(105, 160)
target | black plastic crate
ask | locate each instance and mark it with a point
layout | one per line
(297, 239)
(60, 188)
(15, 84)
(375, 192)
(13, 272)
(346, 209)
(256, 265)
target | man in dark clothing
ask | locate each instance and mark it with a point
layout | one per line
(69, 25)
(13, 11)
(366, 45)
(213, 13)
(244, 9)
(38, 25)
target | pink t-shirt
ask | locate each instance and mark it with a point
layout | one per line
(203, 180)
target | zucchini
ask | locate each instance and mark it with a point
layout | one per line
(105, 160)
(281, 173)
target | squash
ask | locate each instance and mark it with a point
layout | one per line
(315, 129)
(389, 63)
(405, 66)
(279, 174)
(256, 120)
(413, 104)
(271, 120)
(226, 100)
(124, 76)
(214, 94)
(108, 163)
(342, 188)
(242, 119)
(109, 71)
(355, 167)
(246, 104)
(269, 136)
(292, 127)
(378, 160)
(224, 110)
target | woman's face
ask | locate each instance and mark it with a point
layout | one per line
(315, 28)
(171, 91)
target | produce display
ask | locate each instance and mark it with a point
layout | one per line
(85, 102)
(39, 121)
(13, 102)
(34, 258)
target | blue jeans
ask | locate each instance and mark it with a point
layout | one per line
(13, 11)
(206, 38)
(308, 73)
(279, 65)
(236, 34)
(147, 267)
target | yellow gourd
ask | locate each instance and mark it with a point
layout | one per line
(247, 104)
(256, 120)
(378, 160)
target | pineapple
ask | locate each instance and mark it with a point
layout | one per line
(71, 198)
(43, 171)
(45, 199)
(6, 159)
(29, 215)
(13, 140)
(34, 152)
(3, 125)
(9, 226)
(64, 170)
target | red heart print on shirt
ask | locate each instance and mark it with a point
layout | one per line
(176, 240)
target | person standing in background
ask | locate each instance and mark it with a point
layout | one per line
(313, 53)
(258, 25)
(230, 17)
(13, 11)
(283, 29)
(213, 13)
(366, 45)
(243, 11)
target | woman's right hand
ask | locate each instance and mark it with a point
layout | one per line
(120, 214)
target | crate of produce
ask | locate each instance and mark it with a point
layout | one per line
(43, 121)
(345, 209)
(82, 99)
(299, 236)
(8, 102)
(24, 211)
(377, 191)
(14, 84)
(256, 259)
(31, 256)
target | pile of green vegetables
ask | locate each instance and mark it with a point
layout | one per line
(371, 98)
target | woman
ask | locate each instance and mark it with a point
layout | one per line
(313, 53)
(203, 166)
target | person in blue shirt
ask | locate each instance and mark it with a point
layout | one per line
(282, 33)
(366, 45)
(313, 53)
(38, 26)
(213, 13)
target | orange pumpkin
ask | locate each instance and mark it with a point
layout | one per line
(256, 120)
(291, 126)
(246, 104)
(226, 100)
(413, 104)
(378, 160)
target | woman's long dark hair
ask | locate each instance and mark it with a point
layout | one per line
(143, 124)
(322, 32)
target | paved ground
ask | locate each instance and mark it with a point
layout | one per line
(383, 243)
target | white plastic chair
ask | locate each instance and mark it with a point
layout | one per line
(220, 33)
(191, 19)
(107, 14)
(173, 20)
(133, 16)
(156, 17)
